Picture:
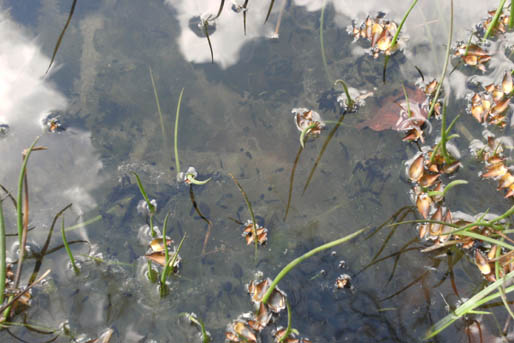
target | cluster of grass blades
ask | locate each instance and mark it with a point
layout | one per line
(15, 300)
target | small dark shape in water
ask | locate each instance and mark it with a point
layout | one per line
(328, 100)
(4, 130)
(52, 122)
(196, 25)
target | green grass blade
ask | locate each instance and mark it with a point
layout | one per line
(205, 27)
(19, 202)
(166, 253)
(478, 299)
(151, 207)
(68, 250)
(395, 37)
(177, 161)
(59, 40)
(494, 21)
(156, 95)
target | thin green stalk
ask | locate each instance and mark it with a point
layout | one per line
(511, 17)
(289, 328)
(166, 253)
(447, 188)
(396, 35)
(494, 21)
(249, 205)
(19, 202)
(3, 266)
(321, 40)
(177, 161)
(68, 250)
(304, 257)
(156, 95)
(291, 182)
(502, 288)
(305, 131)
(219, 10)
(445, 66)
(151, 207)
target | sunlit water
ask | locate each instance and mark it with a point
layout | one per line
(235, 118)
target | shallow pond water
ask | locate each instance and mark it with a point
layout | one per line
(235, 118)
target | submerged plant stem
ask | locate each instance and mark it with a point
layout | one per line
(209, 223)
(304, 257)
(445, 66)
(322, 151)
(269, 10)
(322, 42)
(59, 40)
(252, 215)
(156, 95)
(291, 182)
(3, 267)
(177, 116)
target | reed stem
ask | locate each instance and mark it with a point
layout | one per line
(177, 161)
(68, 250)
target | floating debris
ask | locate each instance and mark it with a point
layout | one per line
(490, 106)
(279, 332)
(492, 154)
(379, 32)
(52, 122)
(4, 130)
(343, 281)
(262, 233)
(472, 55)
(501, 25)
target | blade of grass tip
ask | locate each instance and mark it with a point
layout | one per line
(472, 303)
(151, 207)
(68, 250)
(322, 42)
(156, 95)
(305, 131)
(494, 21)
(19, 214)
(322, 151)
(3, 266)
(197, 321)
(245, 8)
(395, 38)
(166, 253)
(346, 92)
(445, 66)
(177, 116)
(249, 205)
(205, 27)
(291, 182)
(59, 40)
(269, 10)
(175, 255)
(304, 257)
(209, 223)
